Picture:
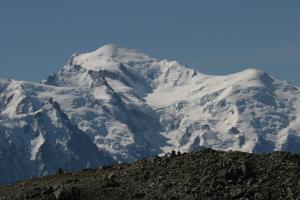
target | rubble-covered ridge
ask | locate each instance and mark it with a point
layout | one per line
(206, 174)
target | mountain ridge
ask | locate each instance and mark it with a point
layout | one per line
(130, 106)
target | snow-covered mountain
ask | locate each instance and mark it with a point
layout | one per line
(120, 105)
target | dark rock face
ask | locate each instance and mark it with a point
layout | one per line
(72, 193)
(206, 174)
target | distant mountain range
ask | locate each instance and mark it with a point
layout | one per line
(119, 105)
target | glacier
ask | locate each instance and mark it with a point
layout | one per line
(119, 105)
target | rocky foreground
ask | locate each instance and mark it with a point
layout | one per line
(206, 174)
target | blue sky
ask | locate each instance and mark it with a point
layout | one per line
(217, 37)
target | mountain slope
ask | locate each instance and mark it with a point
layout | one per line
(206, 174)
(41, 142)
(120, 105)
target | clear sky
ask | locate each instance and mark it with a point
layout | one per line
(215, 36)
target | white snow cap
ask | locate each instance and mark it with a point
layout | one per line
(108, 56)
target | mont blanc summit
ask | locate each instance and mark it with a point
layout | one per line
(119, 105)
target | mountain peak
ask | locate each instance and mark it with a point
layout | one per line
(108, 56)
(253, 72)
(255, 76)
(111, 47)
